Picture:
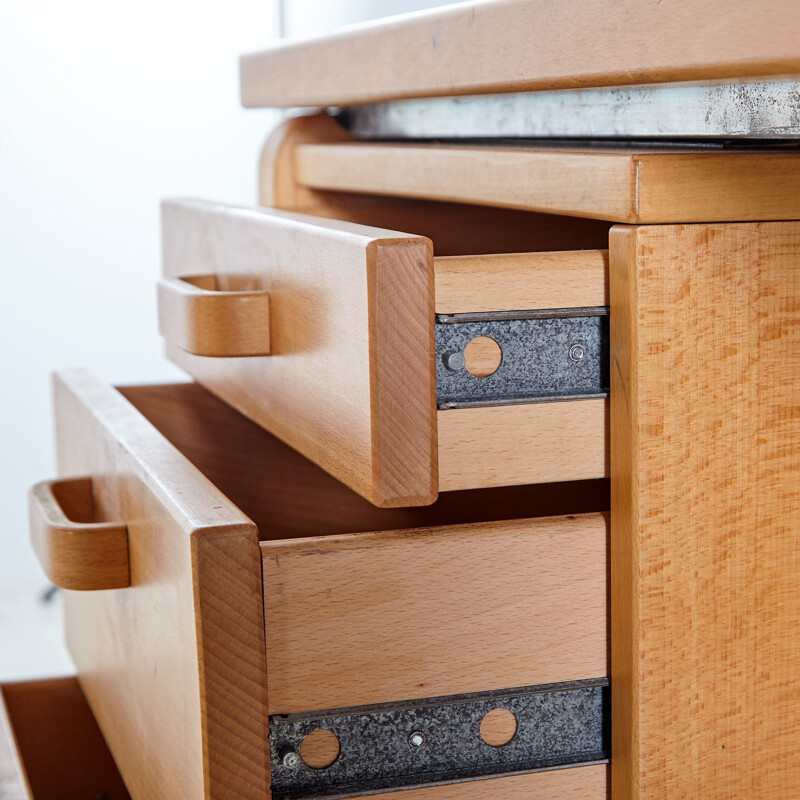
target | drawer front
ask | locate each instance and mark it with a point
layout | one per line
(353, 345)
(50, 745)
(159, 661)
(350, 378)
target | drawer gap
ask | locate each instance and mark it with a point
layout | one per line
(289, 497)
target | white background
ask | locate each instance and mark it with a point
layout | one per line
(105, 108)
(311, 17)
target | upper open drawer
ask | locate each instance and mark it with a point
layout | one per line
(401, 373)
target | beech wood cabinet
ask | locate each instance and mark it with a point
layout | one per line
(300, 575)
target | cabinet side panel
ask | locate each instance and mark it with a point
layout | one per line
(705, 510)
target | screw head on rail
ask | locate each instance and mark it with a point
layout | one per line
(577, 352)
(417, 739)
(289, 758)
(454, 360)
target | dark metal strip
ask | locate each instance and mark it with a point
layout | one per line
(437, 740)
(535, 313)
(547, 355)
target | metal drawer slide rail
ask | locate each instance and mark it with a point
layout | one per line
(552, 354)
(438, 741)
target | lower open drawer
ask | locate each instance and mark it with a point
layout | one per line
(256, 601)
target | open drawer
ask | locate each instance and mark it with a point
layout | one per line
(266, 601)
(401, 374)
(51, 747)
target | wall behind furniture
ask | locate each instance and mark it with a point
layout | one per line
(104, 108)
(312, 17)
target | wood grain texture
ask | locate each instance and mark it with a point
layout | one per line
(482, 356)
(616, 184)
(438, 611)
(516, 281)
(532, 443)
(596, 184)
(498, 727)
(58, 747)
(577, 783)
(173, 666)
(209, 316)
(351, 379)
(320, 748)
(705, 568)
(75, 551)
(517, 45)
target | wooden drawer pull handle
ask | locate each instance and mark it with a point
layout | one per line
(75, 552)
(200, 318)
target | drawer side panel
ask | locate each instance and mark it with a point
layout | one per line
(577, 783)
(372, 618)
(530, 443)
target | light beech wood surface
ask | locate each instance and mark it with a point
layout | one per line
(457, 229)
(530, 443)
(518, 45)
(290, 497)
(617, 184)
(203, 318)
(498, 727)
(320, 748)
(576, 783)
(482, 356)
(431, 612)
(517, 281)
(350, 381)
(74, 550)
(173, 666)
(705, 567)
(194, 695)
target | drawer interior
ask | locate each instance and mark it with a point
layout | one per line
(457, 229)
(58, 743)
(288, 496)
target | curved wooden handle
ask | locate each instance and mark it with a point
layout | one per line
(198, 317)
(74, 551)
